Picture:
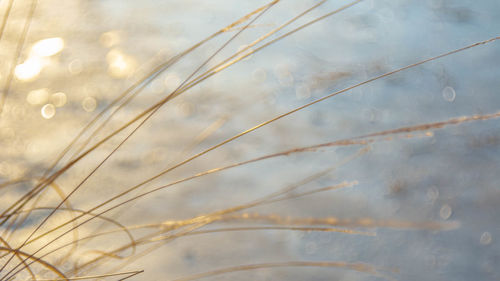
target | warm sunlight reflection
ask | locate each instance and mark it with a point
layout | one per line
(28, 70)
(47, 47)
(39, 96)
(120, 65)
(48, 111)
(58, 99)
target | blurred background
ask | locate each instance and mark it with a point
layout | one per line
(421, 205)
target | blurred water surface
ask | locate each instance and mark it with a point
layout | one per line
(431, 196)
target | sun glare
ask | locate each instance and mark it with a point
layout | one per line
(28, 70)
(47, 47)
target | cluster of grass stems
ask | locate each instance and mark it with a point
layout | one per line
(48, 248)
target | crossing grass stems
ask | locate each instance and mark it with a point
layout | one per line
(43, 242)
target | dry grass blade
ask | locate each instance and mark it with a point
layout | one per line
(122, 142)
(136, 149)
(129, 273)
(35, 260)
(347, 142)
(5, 18)
(364, 268)
(19, 49)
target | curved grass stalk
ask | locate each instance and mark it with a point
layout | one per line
(132, 89)
(360, 267)
(193, 226)
(124, 140)
(35, 260)
(346, 142)
(73, 210)
(28, 268)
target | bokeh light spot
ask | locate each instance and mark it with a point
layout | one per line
(58, 99)
(109, 39)
(445, 212)
(28, 70)
(48, 111)
(449, 94)
(47, 47)
(89, 104)
(39, 96)
(486, 238)
(75, 67)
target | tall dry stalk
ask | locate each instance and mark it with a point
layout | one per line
(303, 140)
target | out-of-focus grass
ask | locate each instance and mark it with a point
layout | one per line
(357, 136)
